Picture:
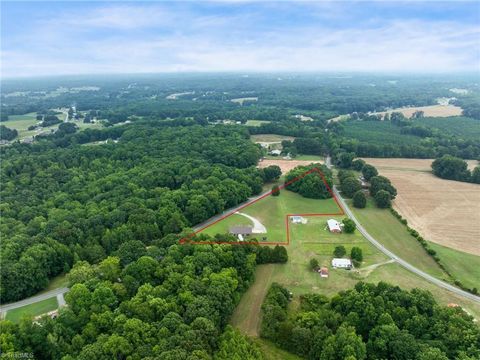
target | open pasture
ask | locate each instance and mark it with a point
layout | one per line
(271, 211)
(442, 211)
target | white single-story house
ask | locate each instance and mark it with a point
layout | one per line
(341, 263)
(298, 219)
(276, 152)
(334, 226)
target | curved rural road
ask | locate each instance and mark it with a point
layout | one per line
(402, 262)
(258, 227)
(392, 256)
(34, 299)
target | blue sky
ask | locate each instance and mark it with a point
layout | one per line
(56, 38)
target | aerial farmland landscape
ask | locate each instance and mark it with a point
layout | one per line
(240, 180)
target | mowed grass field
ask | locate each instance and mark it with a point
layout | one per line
(21, 124)
(465, 267)
(384, 227)
(271, 211)
(312, 240)
(35, 309)
(256, 122)
(270, 138)
(272, 352)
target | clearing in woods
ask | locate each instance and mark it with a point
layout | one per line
(442, 211)
(272, 212)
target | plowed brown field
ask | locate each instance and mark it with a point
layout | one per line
(443, 211)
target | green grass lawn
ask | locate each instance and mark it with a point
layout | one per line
(21, 124)
(385, 228)
(315, 158)
(256, 122)
(465, 267)
(271, 212)
(397, 275)
(311, 240)
(272, 352)
(36, 309)
(56, 282)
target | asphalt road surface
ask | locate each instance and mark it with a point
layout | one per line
(402, 262)
(34, 299)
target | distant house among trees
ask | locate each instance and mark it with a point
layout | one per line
(276, 152)
(334, 226)
(341, 263)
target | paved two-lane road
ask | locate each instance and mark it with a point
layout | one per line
(34, 299)
(392, 256)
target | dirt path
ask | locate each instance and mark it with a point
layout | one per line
(247, 315)
(368, 269)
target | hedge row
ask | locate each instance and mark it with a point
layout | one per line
(432, 252)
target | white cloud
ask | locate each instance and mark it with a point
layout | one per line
(185, 41)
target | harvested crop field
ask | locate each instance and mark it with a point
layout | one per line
(286, 165)
(442, 211)
(270, 138)
(430, 111)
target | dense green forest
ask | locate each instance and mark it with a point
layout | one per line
(168, 301)
(7, 133)
(63, 202)
(108, 206)
(208, 96)
(369, 322)
(310, 184)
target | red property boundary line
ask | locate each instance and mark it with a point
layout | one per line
(185, 240)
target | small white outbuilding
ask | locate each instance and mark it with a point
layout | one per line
(298, 219)
(341, 263)
(334, 226)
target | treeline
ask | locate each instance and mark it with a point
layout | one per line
(370, 322)
(470, 105)
(379, 187)
(62, 202)
(165, 301)
(7, 133)
(397, 136)
(452, 168)
(310, 185)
